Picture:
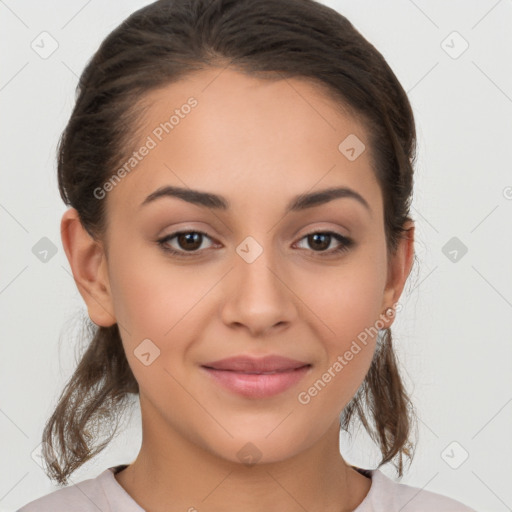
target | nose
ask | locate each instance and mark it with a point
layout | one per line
(257, 296)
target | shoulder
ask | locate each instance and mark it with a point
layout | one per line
(386, 495)
(85, 496)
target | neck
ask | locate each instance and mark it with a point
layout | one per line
(183, 476)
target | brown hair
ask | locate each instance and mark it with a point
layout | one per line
(160, 44)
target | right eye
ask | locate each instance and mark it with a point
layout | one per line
(187, 241)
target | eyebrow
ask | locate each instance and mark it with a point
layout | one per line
(298, 203)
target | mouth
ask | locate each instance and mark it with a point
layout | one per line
(257, 378)
(255, 373)
(250, 364)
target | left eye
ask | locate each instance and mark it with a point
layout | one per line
(323, 239)
(191, 241)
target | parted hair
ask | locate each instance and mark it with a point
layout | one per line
(275, 39)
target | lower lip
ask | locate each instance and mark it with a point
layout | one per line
(258, 385)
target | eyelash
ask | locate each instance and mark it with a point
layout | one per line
(346, 243)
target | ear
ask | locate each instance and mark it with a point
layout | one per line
(399, 267)
(88, 263)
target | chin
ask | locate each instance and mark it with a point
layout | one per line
(258, 447)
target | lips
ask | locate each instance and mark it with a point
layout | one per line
(257, 378)
(263, 365)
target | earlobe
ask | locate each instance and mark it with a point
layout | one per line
(88, 263)
(399, 268)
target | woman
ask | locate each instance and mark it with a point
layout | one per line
(239, 176)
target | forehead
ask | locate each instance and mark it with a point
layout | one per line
(243, 137)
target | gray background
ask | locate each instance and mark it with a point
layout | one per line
(453, 335)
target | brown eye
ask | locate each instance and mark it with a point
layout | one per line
(185, 242)
(189, 241)
(319, 241)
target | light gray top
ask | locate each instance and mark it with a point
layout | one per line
(105, 494)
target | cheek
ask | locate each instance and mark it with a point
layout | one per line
(162, 303)
(349, 346)
(152, 295)
(347, 299)
(346, 302)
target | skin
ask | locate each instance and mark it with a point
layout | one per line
(258, 143)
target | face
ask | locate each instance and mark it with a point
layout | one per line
(247, 275)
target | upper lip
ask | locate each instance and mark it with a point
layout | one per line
(249, 364)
